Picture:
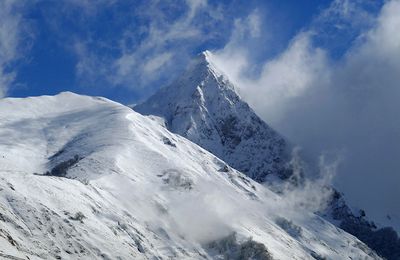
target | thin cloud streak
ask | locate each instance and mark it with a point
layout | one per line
(164, 43)
(11, 29)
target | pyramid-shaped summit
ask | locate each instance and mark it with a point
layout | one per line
(203, 106)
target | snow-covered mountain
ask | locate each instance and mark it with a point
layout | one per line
(203, 106)
(87, 178)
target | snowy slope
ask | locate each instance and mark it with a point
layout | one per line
(87, 178)
(203, 106)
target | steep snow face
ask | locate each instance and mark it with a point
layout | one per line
(203, 106)
(87, 178)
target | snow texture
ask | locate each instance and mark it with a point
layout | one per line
(203, 106)
(87, 178)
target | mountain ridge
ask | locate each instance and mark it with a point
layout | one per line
(125, 187)
(203, 106)
(211, 104)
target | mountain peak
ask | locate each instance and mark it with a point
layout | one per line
(204, 57)
(203, 106)
(202, 66)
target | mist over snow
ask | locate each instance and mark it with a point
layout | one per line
(343, 106)
(250, 118)
(88, 178)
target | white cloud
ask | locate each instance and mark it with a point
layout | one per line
(286, 77)
(89, 65)
(161, 39)
(232, 59)
(348, 104)
(347, 13)
(155, 63)
(152, 53)
(10, 36)
(254, 22)
(89, 7)
(125, 64)
(194, 6)
(281, 79)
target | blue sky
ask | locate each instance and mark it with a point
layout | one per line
(324, 73)
(54, 35)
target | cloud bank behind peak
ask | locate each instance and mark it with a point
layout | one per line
(344, 105)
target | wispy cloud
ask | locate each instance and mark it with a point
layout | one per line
(345, 103)
(161, 40)
(233, 57)
(11, 34)
(343, 22)
(281, 79)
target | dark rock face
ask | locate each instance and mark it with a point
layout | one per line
(60, 170)
(384, 241)
(176, 180)
(167, 141)
(230, 248)
(290, 228)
